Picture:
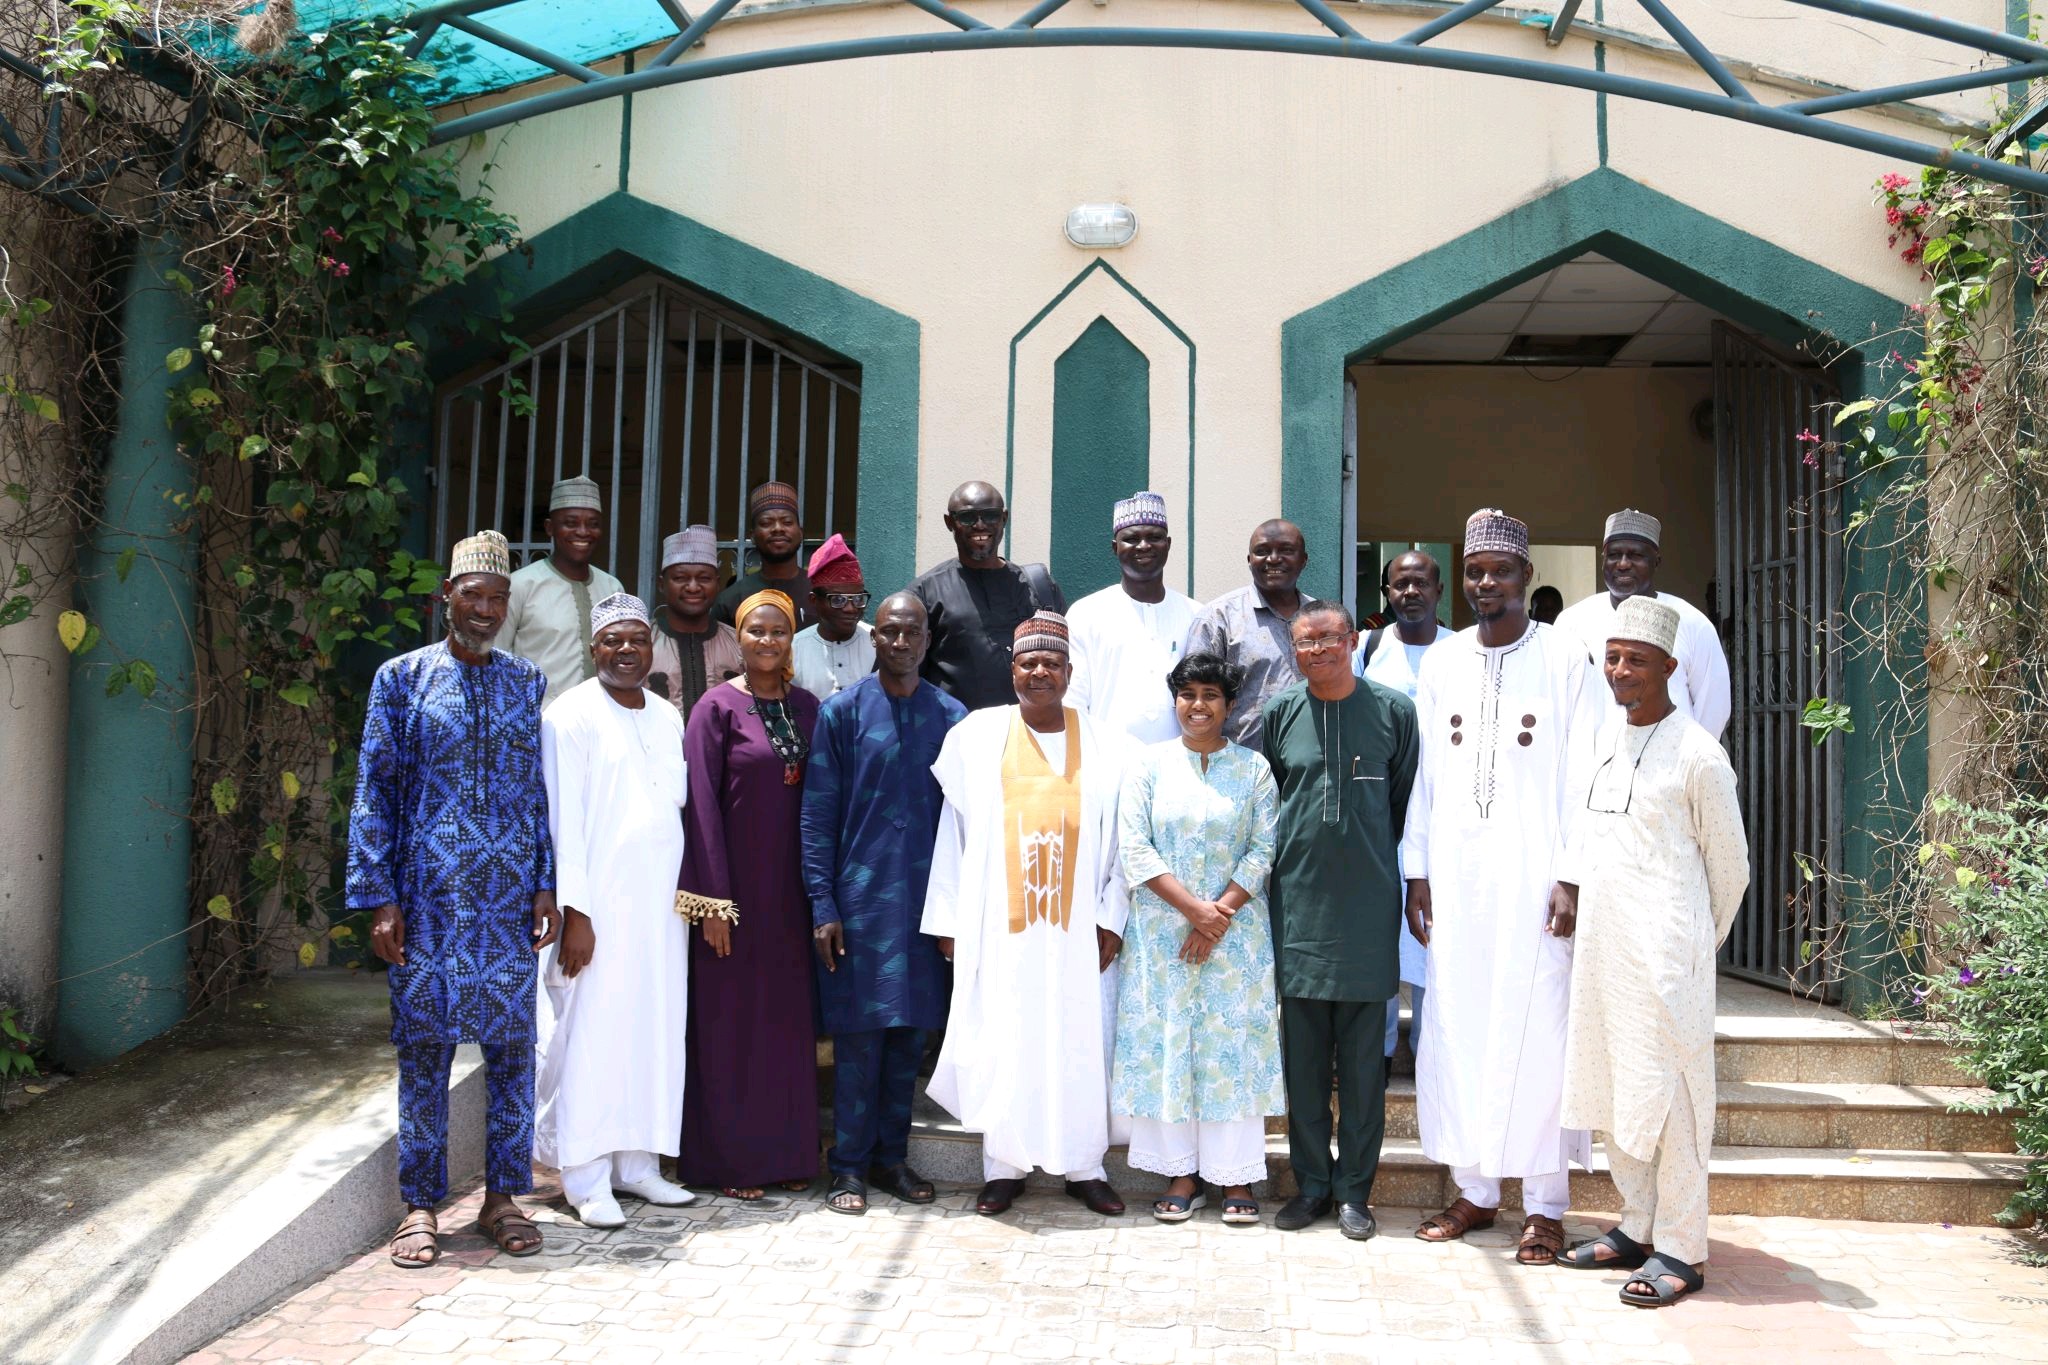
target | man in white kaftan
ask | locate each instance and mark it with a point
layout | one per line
(1508, 711)
(1027, 897)
(1661, 862)
(615, 1000)
(1630, 554)
(1127, 637)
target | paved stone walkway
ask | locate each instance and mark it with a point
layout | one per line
(790, 1281)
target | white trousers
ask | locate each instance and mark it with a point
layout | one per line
(1664, 1199)
(994, 1169)
(1549, 1195)
(1230, 1152)
(593, 1180)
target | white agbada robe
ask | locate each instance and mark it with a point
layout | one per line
(1397, 664)
(611, 1038)
(1700, 687)
(1123, 650)
(1659, 886)
(1025, 1061)
(1487, 824)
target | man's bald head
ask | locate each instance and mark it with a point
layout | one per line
(1277, 556)
(905, 605)
(975, 493)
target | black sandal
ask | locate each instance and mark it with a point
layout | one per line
(902, 1182)
(1628, 1253)
(1661, 1294)
(847, 1184)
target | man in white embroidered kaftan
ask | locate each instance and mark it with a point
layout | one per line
(1662, 862)
(1028, 900)
(1508, 712)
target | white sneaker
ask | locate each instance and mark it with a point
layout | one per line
(655, 1190)
(601, 1213)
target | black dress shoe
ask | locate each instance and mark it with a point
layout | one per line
(997, 1196)
(1356, 1222)
(1301, 1211)
(1097, 1195)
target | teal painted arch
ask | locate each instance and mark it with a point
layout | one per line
(1101, 449)
(1758, 283)
(622, 236)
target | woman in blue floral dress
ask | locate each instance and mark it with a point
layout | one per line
(1197, 1064)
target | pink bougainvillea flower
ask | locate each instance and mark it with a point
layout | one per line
(1895, 181)
(1808, 436)
(329, 234)
(228, 283)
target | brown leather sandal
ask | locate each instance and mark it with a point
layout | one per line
(1542, 1241)
(507, 1224)
(416, 1225)
(1461, 1217)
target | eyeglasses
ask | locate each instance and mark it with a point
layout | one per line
(1629, 796)
(977, 519)
(844, 601)
(1321, 643)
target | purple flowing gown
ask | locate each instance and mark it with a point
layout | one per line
(750, 1095)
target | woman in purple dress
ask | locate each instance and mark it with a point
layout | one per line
(750, 1095)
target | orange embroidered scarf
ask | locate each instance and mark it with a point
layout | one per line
(1041, 826)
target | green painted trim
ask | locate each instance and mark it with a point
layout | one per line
(1600, 103)
(1763, 286)
(1186, 549)
(1101, 449)
(621, 236)
(128, 762)
(626, 135)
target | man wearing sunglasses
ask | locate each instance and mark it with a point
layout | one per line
(840, 650)
(977, 599)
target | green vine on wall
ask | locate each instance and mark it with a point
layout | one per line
(309, 230)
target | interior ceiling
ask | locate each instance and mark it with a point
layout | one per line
(1587, 297)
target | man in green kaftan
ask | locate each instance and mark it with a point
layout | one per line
(1343, 752)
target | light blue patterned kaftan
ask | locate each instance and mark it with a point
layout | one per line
(1197, 1042)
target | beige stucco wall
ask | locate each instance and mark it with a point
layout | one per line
(1263, 184)
(1558, 448)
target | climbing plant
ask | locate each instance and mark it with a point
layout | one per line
(311, 219)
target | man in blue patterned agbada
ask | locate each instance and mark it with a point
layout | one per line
(449, 852)
(870, 814)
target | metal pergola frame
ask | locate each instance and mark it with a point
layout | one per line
(33, 162)
(2013, 60)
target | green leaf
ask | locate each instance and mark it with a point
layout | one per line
(14, 609)
(252, 446)
(298, 693)
(178, 359)
(124, 563)
(220, 908)
(1856, 409)
(225, 796)
(45, 408)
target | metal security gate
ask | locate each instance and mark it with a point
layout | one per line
(1779, 605)
(675, 405)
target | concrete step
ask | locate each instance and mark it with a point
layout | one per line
(1798, 1182)
(1833, 1050)
(1838, 1116)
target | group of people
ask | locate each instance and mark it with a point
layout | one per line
(1157, 870)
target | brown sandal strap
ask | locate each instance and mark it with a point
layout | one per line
(1461, 1217)
(1541, 1235)
(416, 1223)
(514, 1220)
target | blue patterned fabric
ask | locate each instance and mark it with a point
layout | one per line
(874, 1081)
(1197, 1041)
(451, 824)
(423, 1120)
(870, 814)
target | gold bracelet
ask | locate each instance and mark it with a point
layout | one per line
(695, 908)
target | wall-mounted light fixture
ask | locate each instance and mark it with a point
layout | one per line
(1098, 227)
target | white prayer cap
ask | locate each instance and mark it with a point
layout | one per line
(1140, 509)
(620, 606)
(1646, 621)
(691, 545)
(484, 552)
(1634, 525)
(1492, 531)
(576, 491)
